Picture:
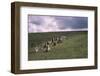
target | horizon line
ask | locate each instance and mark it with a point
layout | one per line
(60, 31)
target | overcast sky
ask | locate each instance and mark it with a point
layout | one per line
(56, 23)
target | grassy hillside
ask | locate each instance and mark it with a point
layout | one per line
(74, 46)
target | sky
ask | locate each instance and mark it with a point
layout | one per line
(39, 23)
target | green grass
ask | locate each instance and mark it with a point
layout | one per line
(74, 46)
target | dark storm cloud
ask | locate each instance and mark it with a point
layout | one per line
(72, 22)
